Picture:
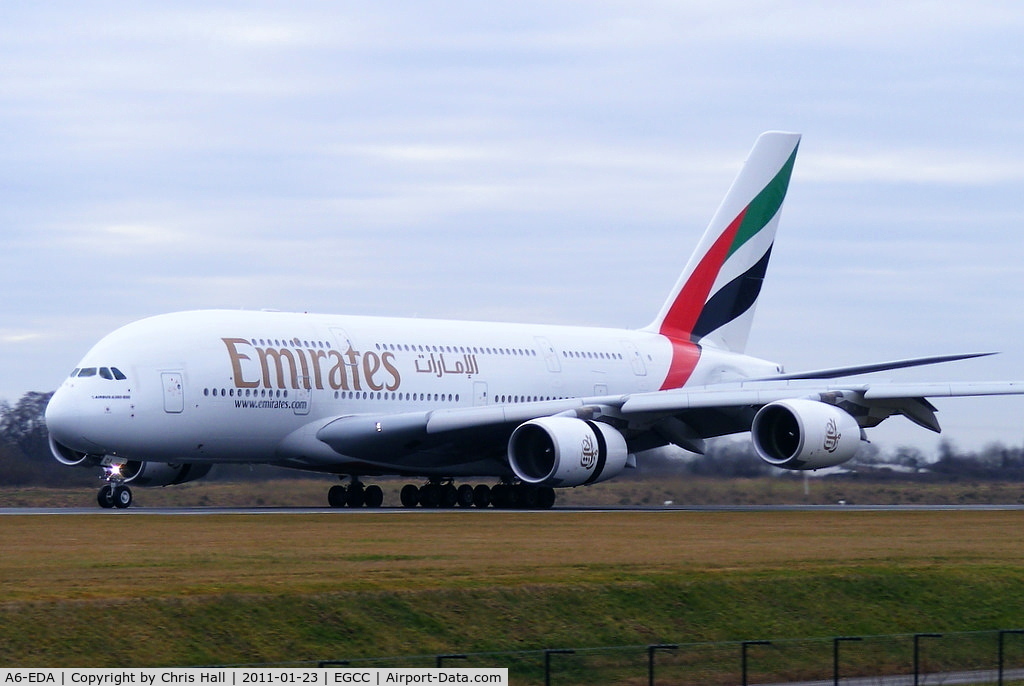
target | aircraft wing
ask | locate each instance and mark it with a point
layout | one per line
(762, 393)
(684, 416)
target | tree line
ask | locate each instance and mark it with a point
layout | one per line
(25, 458)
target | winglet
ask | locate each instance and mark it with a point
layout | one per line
(713, 301)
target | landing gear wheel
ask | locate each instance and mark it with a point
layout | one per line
(505, 496)
(449, 495)
(410, 495)
(545, 497)
(465, 495)
(336, 496)
(121, 496)
(482, 496)
(430, 495)
(527, 497)
(106, 496)
(355, 496)
(373, 496)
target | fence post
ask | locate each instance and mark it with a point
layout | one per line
(1003, 633)
(835, 655)
(547, 662)
(917, 652)
(650, 658)
(743, 655)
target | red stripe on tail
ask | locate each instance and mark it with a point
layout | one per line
(682, 315)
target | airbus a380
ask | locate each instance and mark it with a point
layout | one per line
(528, 408)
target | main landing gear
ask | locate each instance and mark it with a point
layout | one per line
(114, 493)
(435, 494)
(438, 493)
(355, 495)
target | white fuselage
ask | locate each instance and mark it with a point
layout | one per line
(232, 386)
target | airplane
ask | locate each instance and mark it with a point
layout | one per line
(530, 408)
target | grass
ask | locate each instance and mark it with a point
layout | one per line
(117, 589)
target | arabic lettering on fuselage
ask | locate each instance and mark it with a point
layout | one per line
(438, 365)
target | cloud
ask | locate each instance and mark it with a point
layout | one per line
(552, 162)
(931, 166)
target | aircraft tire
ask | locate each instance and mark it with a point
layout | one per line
(482, 496)
(105, 497)
(374, 496)
(528, 497)
(465, 496)
(336, 496)
(410, 496)
(449, 496)
(355, 496)
(545, 497)
(504, 497)
(430, 495)
(121, 496)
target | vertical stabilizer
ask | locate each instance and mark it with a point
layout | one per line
(713, 302)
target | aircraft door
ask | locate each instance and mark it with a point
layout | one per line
(479, 393)
(635, 359)
(174, 392)
(550, 354)
(303, 397)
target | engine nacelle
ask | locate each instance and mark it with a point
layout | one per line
(162, 473)
(72, 458)
(565, 451)
(804, 434)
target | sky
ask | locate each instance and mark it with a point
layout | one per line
(548, 162)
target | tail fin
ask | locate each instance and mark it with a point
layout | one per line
(713, 301)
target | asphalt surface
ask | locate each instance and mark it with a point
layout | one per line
(468, 511)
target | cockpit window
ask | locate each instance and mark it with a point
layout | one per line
(108, 373)
(74, 372)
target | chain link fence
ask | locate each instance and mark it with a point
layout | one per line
(974, 658)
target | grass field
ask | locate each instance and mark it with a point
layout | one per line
(119, 589)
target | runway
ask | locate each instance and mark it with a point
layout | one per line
(341, 512)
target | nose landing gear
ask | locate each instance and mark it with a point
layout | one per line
(114, 493)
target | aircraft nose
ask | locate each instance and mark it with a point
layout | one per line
(70, 424)
(61, 416)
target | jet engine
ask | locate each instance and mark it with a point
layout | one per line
(804, 434)
(162, 473)
(72, 458)
(565, 451)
